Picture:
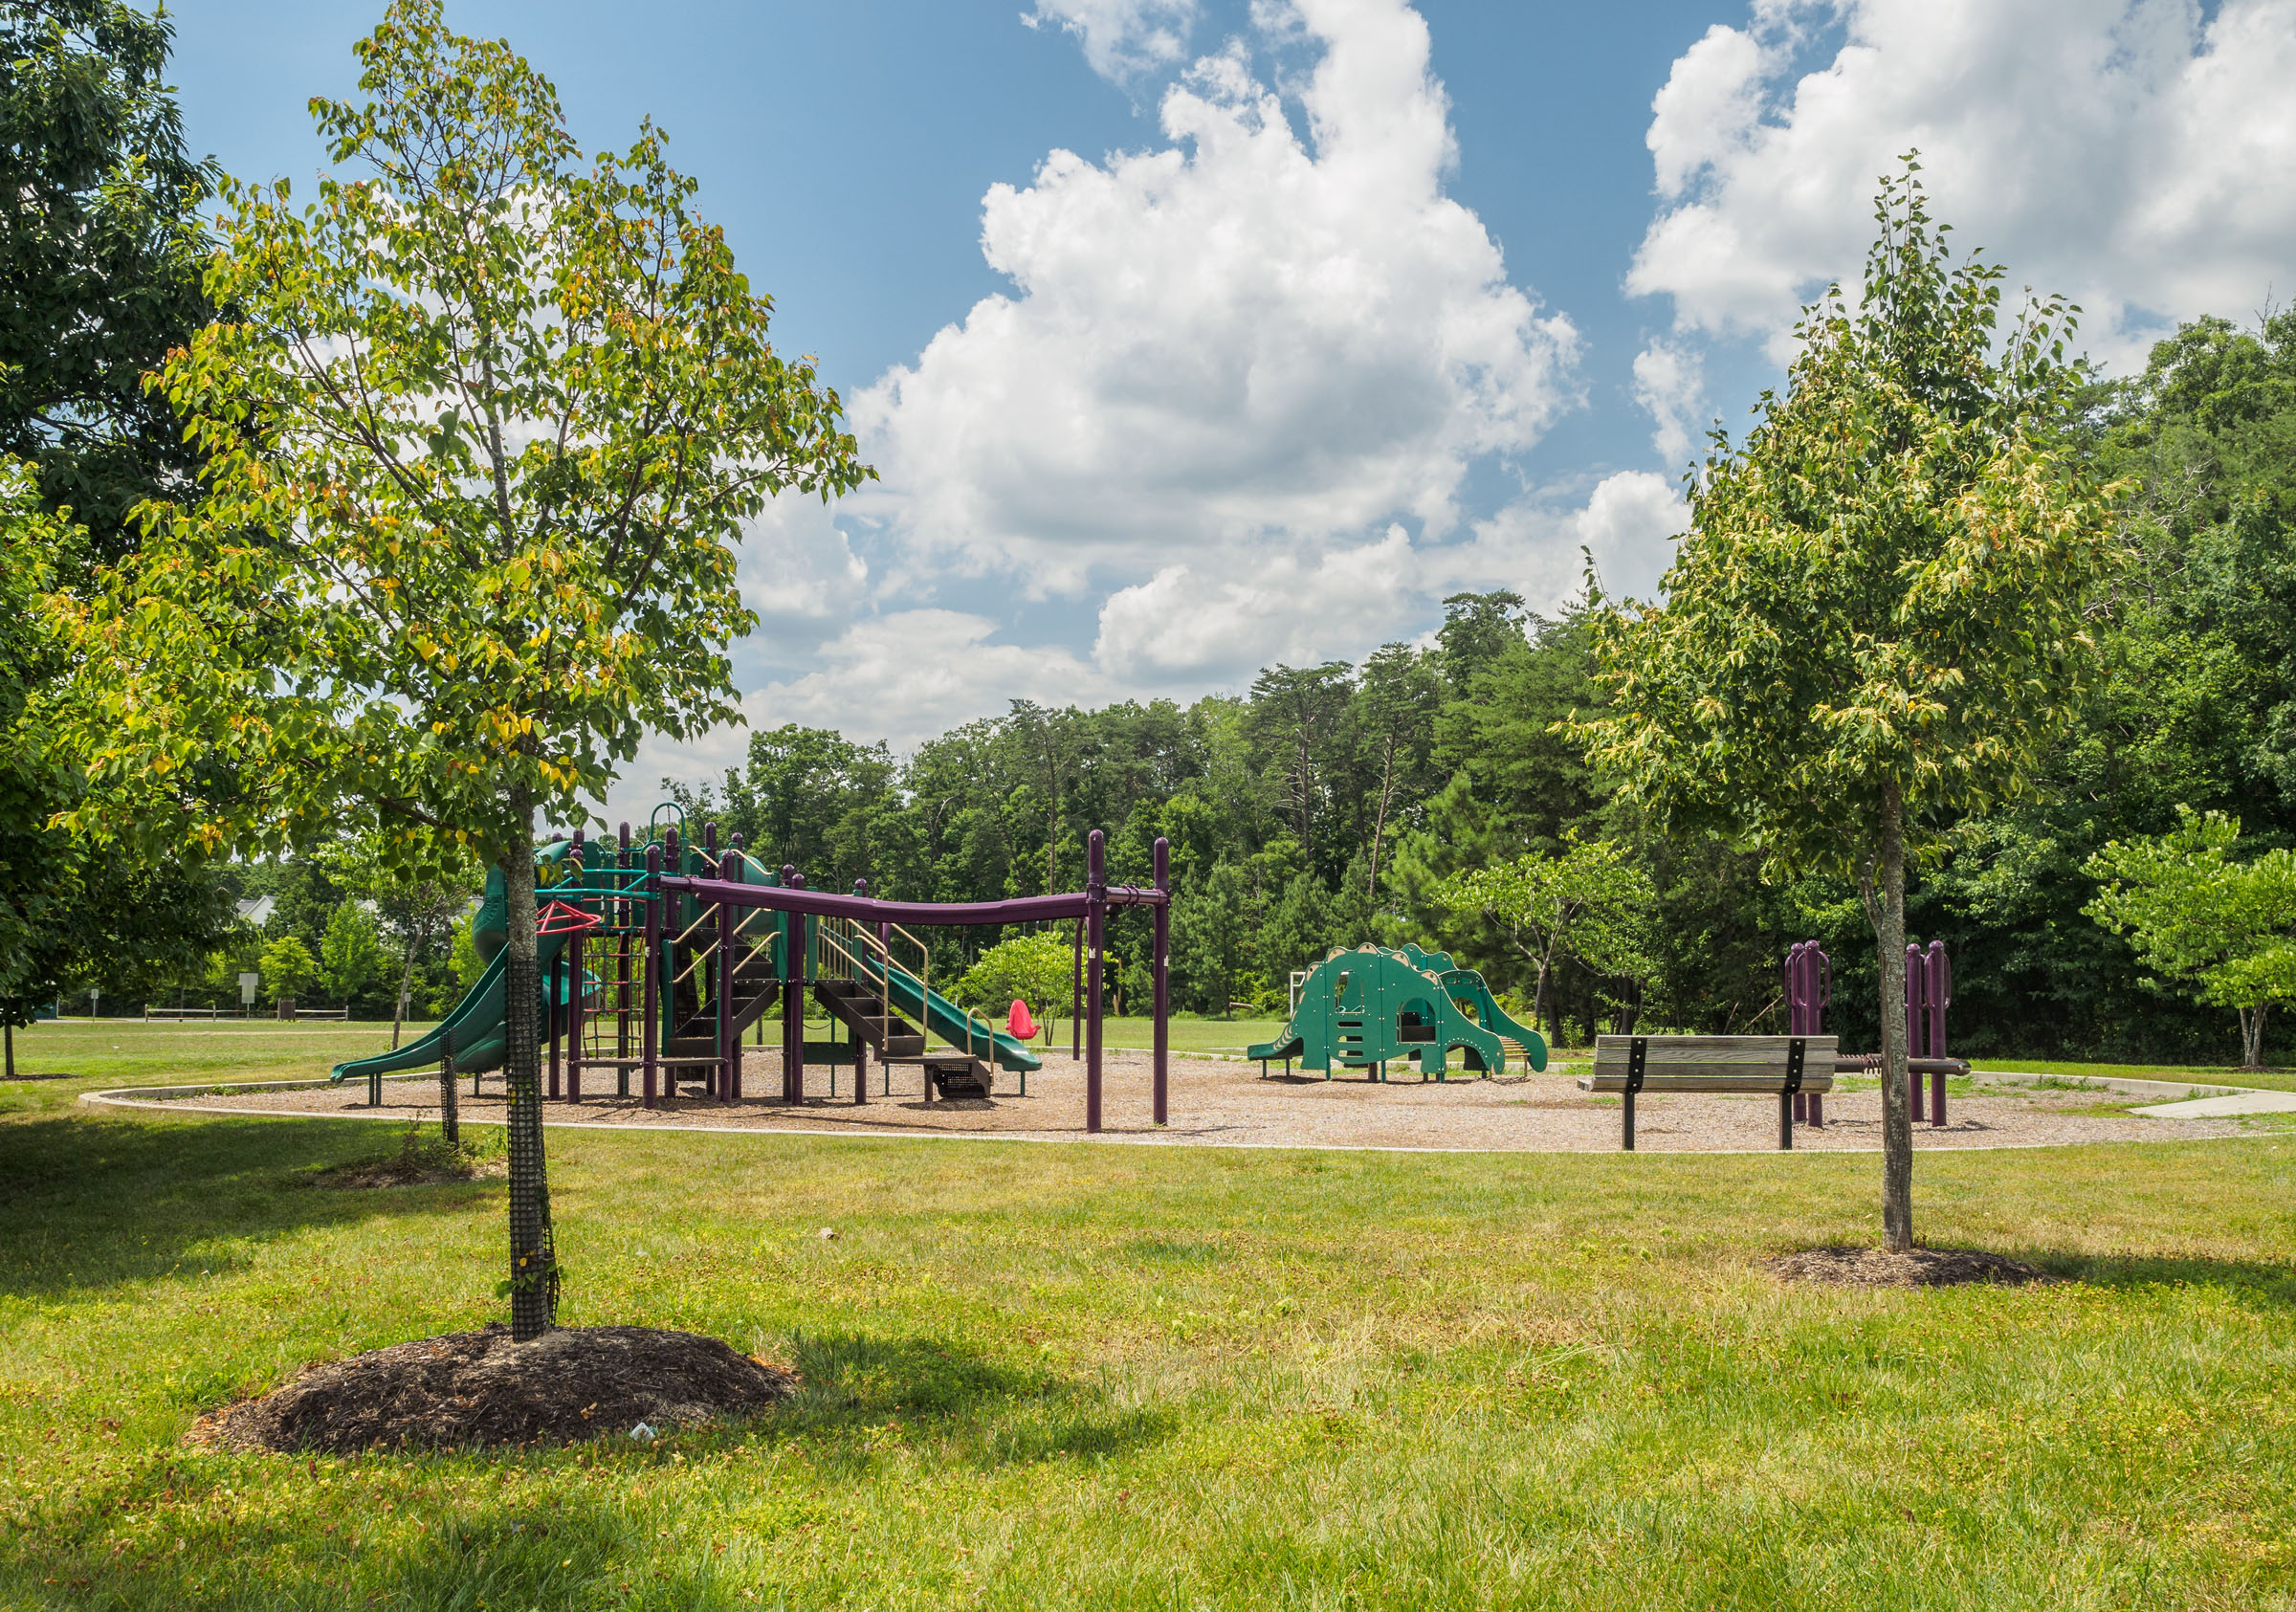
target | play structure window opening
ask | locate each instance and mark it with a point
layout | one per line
(1416, 1022)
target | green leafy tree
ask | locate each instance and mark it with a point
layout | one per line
(2195, 914)
(71, 915)
(350, 954)
(1212, 938)
(1592, 902)
(287, 966)
(1880, 614)
(1396, 704)
(1037, 969)
(1297, 715)
(102, 253)
(482, 429)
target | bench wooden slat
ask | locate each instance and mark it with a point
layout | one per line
(1653, 1081)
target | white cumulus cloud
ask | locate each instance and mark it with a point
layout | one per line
(1669, 383)
(2127, 152)
(1121, 38)
(1249, 333)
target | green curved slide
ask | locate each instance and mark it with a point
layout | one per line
(952, 1022)
(474, 1026)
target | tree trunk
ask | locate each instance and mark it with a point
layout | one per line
(449, 1105)
(1378, 827)
(406, 985)
(2252, 1037)
(9, 1032)
(1886, 909)
(533, 1260)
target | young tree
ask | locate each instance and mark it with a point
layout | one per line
(481, 429)
(1037, 969)
(2193, 913)
(1880, 615)
(287, 966)
(1592, 903)
(350, 952)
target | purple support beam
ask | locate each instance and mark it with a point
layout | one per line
(739, 862)
(1096, 884)
(885, 992)
(649, 1035)
(1809, 987)
(1916, 1026)
(580, 851)
(721, 933)
(861, 1046)
(1160, 970)
(793, 997)
(623, 919)
(1937, 981)
(819, 903)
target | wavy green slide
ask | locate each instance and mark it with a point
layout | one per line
(474, 1026)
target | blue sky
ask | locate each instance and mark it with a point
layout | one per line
(1338, 305)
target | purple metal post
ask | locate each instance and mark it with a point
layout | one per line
(885, 958)
(793, 994)
(624, 917)
(861, 1046)
(1938, 976)
(1914, 1026)
(1160, 971)
(739, 863)
(581, 854)
(650, 1001)
(715, 973)
(1809, 985)
(1095, 889)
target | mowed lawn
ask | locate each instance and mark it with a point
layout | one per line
(1053, 1376)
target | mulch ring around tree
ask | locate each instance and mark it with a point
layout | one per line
(466, 1390)
(418, 1162)
(1916, 1267)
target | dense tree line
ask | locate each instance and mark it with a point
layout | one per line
(1327, 804)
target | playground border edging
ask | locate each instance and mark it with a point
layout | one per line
(157, 1099)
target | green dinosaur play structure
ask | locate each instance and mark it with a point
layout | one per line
(1371, 1006)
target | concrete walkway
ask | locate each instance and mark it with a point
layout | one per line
(2224, 1107)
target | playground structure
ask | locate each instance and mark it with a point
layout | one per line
(1929, 992)
(1371, 1006)
(657, 957)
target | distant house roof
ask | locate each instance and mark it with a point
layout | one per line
(257, 910)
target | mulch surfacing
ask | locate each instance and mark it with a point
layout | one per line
(1917, 1268)
(468, 1389)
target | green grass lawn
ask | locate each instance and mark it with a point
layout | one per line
(1109, 1377)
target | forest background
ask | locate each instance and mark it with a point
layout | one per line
(1326, 805)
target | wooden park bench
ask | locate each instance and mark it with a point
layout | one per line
(1781, 1063)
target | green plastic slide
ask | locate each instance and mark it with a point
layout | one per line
(952, 1022)
(474, 1026)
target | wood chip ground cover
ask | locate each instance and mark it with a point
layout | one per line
(482, 1389)
(1916, 1267)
